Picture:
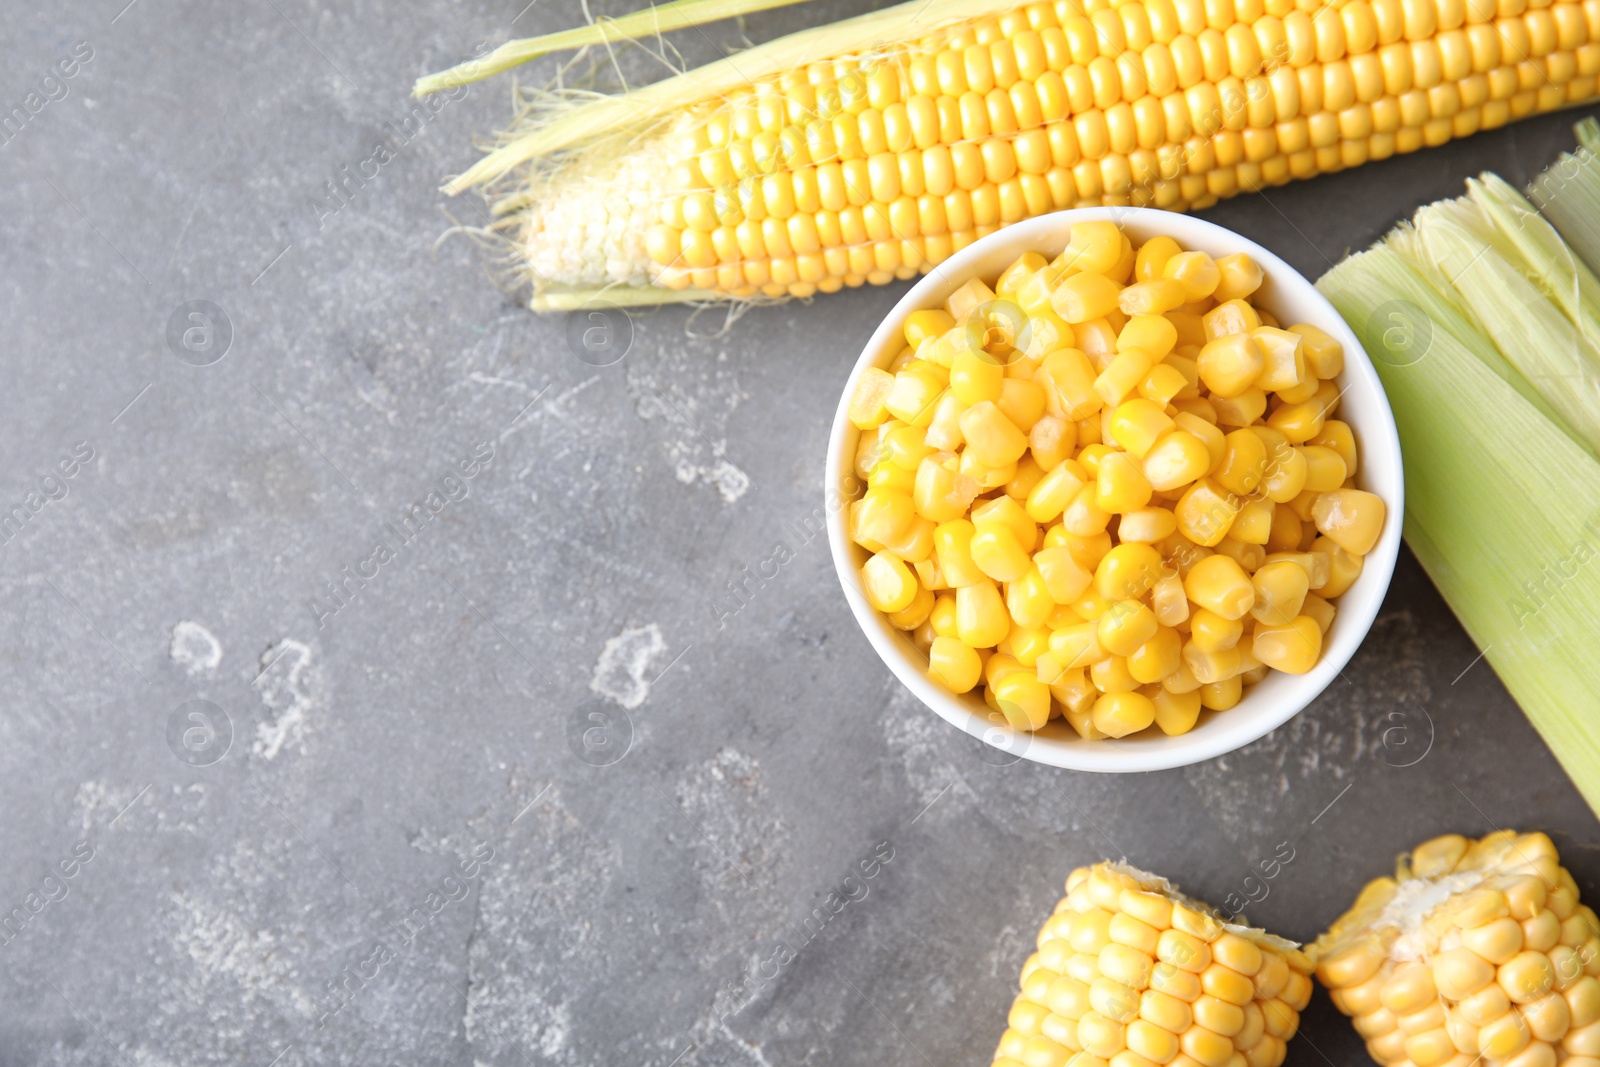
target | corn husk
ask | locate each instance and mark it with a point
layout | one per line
(1498, 419)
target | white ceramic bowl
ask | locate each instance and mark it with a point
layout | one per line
(1269, 703)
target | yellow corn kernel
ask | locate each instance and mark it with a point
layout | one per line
(1127, 571)
(1240, 277)
(1027, 643)
(1084, 297)
(1241, 410)
(1110, 675)
(1231, 364)
(944, 429)
(867, 403)
(1197, 271)
(1123, 375)
(998, 554)
(1120, 484)
(1176, 713)
(1169, 601)
(1077, 645)
(1021, 269)
(1281, 588)
(1351, 518)
(1205, 512)
(931, 322)
(954, 665)
(975, 375)
(1338, 436)
(1210, 632)
(906, 445)
(1211, 667)
(941, 492)
(883, 514)
(1052, 440)
(1156, 658)
(1052, 493)
(1164, 382)
(1146, 525)
(888, 583)
(952, 547)
(1324, 356)
(1092, 246)
(981, 619)
(915, 543)
(916, 389)
(971, 295)
(915, 613)
(1125, 627)
(943, 616)
(1218, 584)
(1221, 695)
(1029, 601)
(1022, 400)
(1084, 517)
(1068, 379)
(1155, 334)
(1325, 468)
(1174, 460)
(992, 438)
(1005, 511)
(1064, 577)
(1156, 297)
(892, 476)
(1023, 699)
(1253, 524)
(1504, 1037)
(1303, 421)
(1136, 424)
(1121, 714)
(1152, 257)
(1230, 317)
(1293, 647)
(1527, 977)
(1283, 365)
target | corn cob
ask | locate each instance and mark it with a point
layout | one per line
(1474, 950)
(1131, 973)
(872, 149)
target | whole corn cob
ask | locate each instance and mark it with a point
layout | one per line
(874, 148)
(1131, 973)
(1475, 950)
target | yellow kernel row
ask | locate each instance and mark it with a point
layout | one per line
(1111, 390)
(864, 169)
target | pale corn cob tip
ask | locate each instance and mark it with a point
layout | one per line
(1129, 973)
(1476, 952)
(865, 168)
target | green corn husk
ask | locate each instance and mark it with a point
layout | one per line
(1480, 322)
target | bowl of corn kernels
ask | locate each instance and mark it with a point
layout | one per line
(1114, 489)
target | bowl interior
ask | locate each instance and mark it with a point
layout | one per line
(1292, 299)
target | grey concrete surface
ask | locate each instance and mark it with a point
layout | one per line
(424, 828)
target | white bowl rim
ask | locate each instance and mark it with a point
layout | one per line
(1380, 472)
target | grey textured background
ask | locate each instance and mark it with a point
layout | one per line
(441, 713)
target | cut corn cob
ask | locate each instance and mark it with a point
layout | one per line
(1474, 951)
(872, 149)
(1130, 972)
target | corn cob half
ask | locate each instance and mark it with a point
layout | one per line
(872, 149)
(1475, 950)
(1131, 973)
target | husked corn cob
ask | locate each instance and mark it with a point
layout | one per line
(1475, 950)
(1130, 973)
(857, 158)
